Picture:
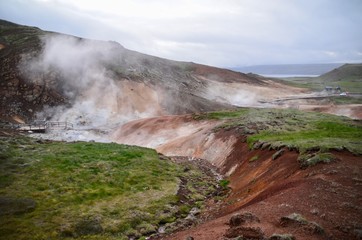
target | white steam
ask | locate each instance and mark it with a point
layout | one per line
(231, 93)
(83, 73)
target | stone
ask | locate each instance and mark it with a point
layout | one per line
(293, 219)
(299, 221)
(240, 218)
(278, 154)
(251, 233)
(236, 220)
(282, 237)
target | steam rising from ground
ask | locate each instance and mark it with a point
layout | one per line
(231, 93)
(83, 72)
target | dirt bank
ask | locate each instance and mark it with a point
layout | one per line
(177, 136)
(326, 196)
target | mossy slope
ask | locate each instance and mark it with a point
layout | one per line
(87, 190)
(292, 128)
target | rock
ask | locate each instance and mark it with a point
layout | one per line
(257, 145)
(16, 205)
(249, 217)
(189, 238)
(293, 219)
(314, 228)
(314, 211)
(282, 237)
(251, 233)
(237, 238)
(278, 154)
(265, 145)
(298, 220)
(88, 226)
(238, 219)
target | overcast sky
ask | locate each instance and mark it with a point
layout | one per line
(224, 33)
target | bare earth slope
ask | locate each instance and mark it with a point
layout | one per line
(42, 70)
(268, 186)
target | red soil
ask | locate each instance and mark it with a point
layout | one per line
(327, 194)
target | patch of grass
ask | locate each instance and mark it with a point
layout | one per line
(348, 77)
(115, 189)
(254, 158)
(321, 133)
(293, 128)
(302, 82)
(308, 160)
(339, 100)
(221, 115)
(224, 183)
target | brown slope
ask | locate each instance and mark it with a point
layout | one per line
(327, 194)
(41, 69)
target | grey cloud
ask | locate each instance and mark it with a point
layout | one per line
(230, 33)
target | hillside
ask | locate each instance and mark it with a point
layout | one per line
(160, 149)
(280, 163)
(347, 71)
(52, 190)
(42, 70)
(348, 77)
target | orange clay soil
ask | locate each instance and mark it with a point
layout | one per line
(328, 194)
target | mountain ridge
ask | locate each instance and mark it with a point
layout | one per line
(43, 70)
(290, 69)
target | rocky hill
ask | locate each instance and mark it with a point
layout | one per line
(42, 70)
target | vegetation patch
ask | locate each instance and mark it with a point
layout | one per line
(90, 190)
(254, 158)
(308, 160)
(297, 220)
(220, 115)
(293, 128)
(224, 183)
(347, 77)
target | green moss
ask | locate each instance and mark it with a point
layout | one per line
(254, 158)
(221, 115)
(224, 183)
(308, 160)
(292, 128)
(124, 187)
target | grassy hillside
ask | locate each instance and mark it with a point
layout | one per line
(348, 77)
(50, 190)
(292, 128)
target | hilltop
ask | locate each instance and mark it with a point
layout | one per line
(42, 70)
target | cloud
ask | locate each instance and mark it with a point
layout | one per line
(221, 33)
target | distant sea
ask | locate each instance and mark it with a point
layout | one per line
(289, 70)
